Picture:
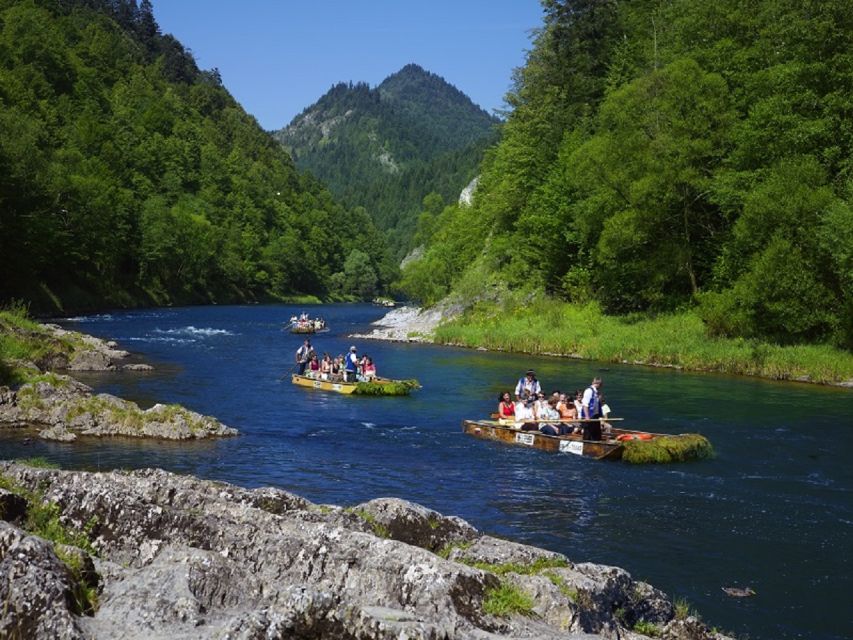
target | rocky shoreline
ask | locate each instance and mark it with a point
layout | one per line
(410, 324)
(161, 555)
(59, 408)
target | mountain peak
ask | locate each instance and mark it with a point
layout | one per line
(386, 148)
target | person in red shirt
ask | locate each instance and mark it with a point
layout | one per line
(506, 407)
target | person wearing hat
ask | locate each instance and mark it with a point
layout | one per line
(528, 386)
(303, 355)
(351, 368)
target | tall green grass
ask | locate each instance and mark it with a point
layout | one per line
(545, 326)
(24, 340)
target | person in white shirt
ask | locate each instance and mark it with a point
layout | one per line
(591, 403)
(528, 386)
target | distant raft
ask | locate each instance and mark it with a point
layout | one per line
(375, 387)
(637, 447)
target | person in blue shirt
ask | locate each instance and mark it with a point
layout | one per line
(351, 367)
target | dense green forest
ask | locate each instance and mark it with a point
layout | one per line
(387, 148)
(129, 176)
(686, 156)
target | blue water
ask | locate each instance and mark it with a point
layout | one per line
(773, 509)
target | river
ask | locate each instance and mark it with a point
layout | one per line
(772, 511)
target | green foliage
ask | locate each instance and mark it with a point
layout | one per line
(127, 175)
(38, 463)
(533, 568)
(665, 449)
(386, 388)
(24, 340)
(507, 600)
(683, 610)
(647, 628)
(660, 155)
(359, 276)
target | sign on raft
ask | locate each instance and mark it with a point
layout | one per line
(525, 438)
(571, 447)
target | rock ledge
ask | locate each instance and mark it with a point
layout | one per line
(179, 557)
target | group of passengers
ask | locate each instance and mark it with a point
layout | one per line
(341, 368)
(558, 414)
(306, 323)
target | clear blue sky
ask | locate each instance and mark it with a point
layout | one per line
(279, 56)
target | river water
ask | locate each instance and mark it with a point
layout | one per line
(772, 511)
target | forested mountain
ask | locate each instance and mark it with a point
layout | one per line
(129, 176)
(664, 156)
(386, 148)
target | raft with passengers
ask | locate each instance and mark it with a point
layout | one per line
(579, 424)
(348, 374)
(304, 324)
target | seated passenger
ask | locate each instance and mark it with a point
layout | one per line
(314, 366)
(368, 369)
(548, 411)
(540, 407)
(566, 408)
(524, 413)
(506, 408)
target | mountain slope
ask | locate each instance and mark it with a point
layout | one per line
(386, 148)
(128, 176)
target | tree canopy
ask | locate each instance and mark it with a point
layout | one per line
(663, 155)
(128, 175)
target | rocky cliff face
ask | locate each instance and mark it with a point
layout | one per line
(180, 557)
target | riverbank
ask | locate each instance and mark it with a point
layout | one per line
(153, 554)
(547, 327)
(35, 397)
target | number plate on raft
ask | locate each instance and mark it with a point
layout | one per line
(525, 438)
(567, 446)
(336, 387)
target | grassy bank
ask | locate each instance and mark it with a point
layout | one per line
(550, 327)
(23, 340)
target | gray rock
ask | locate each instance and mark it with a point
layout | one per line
(88, 352)
(137, 367)
(57, 433)
(36, 589)
(68, 408)
(91, 361)
(181, 557)
(416, 525)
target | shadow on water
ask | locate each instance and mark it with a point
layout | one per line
(773, 509)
